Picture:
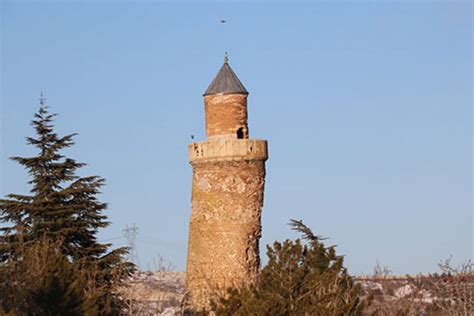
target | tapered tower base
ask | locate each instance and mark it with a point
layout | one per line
(227, 198)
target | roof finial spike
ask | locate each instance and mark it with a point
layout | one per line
(226, 58)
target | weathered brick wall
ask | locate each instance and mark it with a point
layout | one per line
(225, 114)
(227, 198)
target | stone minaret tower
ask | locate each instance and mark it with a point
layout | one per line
(227, 194)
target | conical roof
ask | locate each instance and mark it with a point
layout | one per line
(226, 81)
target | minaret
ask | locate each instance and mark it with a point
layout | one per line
(227, 195)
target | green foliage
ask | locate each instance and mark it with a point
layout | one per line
(42, 282)
(299, 279)
(61, 205)
(63, 209)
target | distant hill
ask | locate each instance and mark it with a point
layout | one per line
(161, 293)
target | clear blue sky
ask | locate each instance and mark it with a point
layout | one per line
(366, 107)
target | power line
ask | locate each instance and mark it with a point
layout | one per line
(111, 239)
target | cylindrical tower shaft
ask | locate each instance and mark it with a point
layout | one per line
(226, 116)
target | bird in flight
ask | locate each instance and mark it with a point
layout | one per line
(223, 21)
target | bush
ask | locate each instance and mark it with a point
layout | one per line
(301, 278)
(43, 282)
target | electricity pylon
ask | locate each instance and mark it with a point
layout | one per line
(131, 233)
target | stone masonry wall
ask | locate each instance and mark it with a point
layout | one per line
(228, 149)
(225, 114)
(227, 198)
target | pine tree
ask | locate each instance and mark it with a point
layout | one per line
(61, 207)
(300, 278)
(43, 282)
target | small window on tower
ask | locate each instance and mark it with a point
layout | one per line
(240, 133)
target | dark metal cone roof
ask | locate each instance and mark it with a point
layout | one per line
(226, 81)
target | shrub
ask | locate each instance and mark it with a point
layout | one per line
(302, 277)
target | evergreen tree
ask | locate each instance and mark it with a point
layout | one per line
(43, 282)
(300, 278)
(61, 207)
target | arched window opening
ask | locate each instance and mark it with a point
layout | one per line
(240, 133)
